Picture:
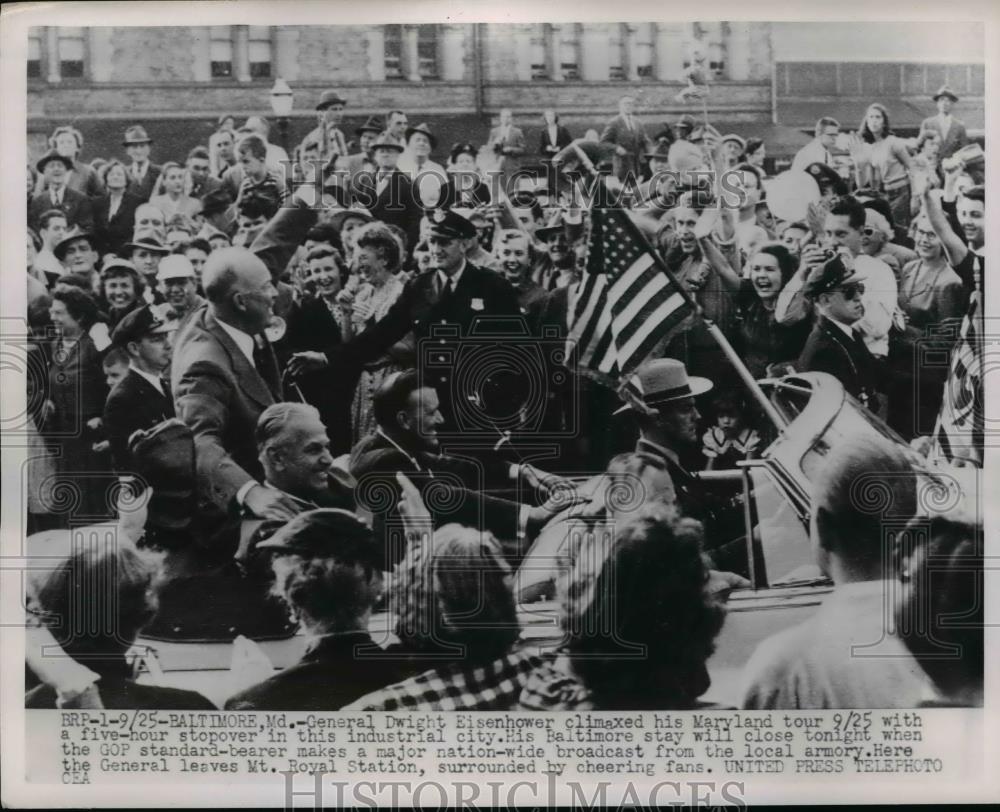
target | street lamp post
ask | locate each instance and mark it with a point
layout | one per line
(282, 100)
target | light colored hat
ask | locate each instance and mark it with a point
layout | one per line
(175, 266)
(662, 381)
(875, 219)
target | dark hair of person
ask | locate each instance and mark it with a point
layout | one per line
(255, 204)
(866, 134)
(753, 144)
(106, 170)
(787, 264)
(196, 242)
(198, 152)
(117, 580)
(640, 622)
(81, 305)
(48, 216)
(852, 208)
(393, 396)
(976, 193)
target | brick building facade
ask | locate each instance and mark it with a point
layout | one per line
(178, 80)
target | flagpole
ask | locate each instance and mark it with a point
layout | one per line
(713, 329)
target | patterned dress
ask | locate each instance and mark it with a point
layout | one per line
(370, 305)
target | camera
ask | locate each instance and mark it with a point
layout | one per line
(501, 379)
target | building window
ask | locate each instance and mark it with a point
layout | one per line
(643, 52)
(71, 53)
(221, 51)
(540, 52)
(568, 36)
(706, 40)
(393, 38)
(260, 51)
(427, 51)
(35, 53)
(617, 37)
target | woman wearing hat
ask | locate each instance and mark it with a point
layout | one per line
(121, 290)
(881, 160)
(465, 187)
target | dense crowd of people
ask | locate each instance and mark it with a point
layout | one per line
(281, 351)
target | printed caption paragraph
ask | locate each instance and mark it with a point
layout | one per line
(142, 746)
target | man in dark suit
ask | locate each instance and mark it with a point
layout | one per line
(114, 230)
(389, 194)
(408, 414)
(451, 298)
(141, 399)
(628, 136)
(950, 129)
(223, 375)
(57, 195)
(834, 346)
(554, 136)
(142, 175)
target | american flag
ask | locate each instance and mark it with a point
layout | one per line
(626, 301)
(959, 433)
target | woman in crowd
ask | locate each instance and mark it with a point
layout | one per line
(328, 568)
(346, 222)
(95, 604)
(882, 161)
(171, 199)
(75, 403)
(932, 298)
(465, 187)
(454, 607)
(121, 290)
(762, 341)
(114, 212)
(377, 257)
(639, 620)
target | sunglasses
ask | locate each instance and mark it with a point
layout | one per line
(853, 291)
(868, 231)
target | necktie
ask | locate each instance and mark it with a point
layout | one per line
(57, 197)
(267, 365)
(447, 290)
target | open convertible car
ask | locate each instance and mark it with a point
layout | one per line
(773, 493)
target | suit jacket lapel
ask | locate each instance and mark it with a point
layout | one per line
(251, 383)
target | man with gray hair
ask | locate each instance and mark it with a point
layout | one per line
(294, 451)
(224, 375)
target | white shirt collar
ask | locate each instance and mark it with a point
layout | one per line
(455, 277)
(243, 340)
(153, 379)
(846, 328)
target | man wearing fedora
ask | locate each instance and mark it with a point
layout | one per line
(428, 176)
(661, 397)
(834, 345)
(142, 398)
(658, 193)
(329, 136)
(142, 175)
(58, 195)
(146, 251)
(388, 192)
(949, 128)
(359, 157)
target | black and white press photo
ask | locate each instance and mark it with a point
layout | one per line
(438, 394)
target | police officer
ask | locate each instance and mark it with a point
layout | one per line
(442, 304)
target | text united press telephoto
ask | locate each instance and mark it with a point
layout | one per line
(497, 413)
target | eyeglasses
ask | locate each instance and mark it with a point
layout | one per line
(868, 231)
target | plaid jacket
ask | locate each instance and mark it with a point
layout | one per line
(495, 686)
